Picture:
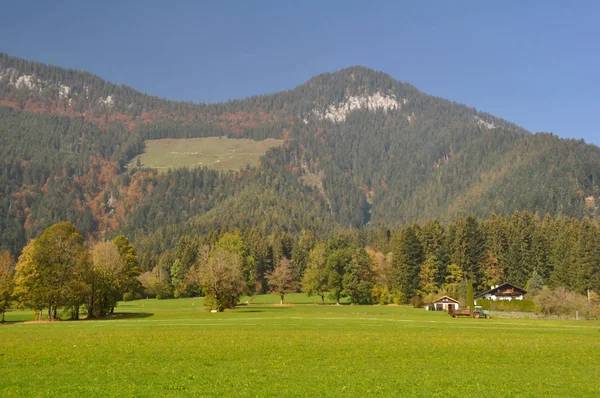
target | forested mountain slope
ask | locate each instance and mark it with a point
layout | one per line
(360, 148)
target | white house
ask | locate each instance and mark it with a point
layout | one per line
(444, 303)
(506, 291)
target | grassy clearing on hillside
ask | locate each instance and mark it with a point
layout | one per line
(219, 153)
(175, 348)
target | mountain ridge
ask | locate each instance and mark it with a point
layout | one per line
(25, 74)
(360, 148)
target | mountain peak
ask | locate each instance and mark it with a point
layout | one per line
(356, 76)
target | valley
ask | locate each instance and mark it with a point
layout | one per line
(175, 348)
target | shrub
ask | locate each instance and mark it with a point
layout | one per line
(559, 302)
(507, 306)
(398, 297)
(380, 295)
(416, 301)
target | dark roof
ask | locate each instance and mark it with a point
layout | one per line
(441, 299)
(503, 286)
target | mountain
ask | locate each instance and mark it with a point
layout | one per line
(361, 148)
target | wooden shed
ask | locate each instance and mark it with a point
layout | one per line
(445, 303)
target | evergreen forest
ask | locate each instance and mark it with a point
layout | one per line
(379, 193)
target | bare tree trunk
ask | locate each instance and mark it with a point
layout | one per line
(323, 298)
(91, 304)
(2, 316)
(588, 294)
(281, 302)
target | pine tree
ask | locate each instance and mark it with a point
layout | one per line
(406, 262)
(470, 300)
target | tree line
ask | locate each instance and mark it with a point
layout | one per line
(428, 159)
(58, 271)
(409, 264)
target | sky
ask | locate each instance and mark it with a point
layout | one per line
(534, 63)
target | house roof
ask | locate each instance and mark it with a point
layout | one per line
(441, 299)
(500, 291)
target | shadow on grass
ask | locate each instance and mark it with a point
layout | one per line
(10, 322)
(260, 308)
(113, 317)
(121, 315)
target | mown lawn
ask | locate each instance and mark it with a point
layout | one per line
(175, 348)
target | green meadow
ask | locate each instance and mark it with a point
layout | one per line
(219, 153)
(176, 348)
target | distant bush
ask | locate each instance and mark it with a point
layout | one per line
(562, 302)
(380, 295)
(128, 296)
(417, 301)
(398, 297)
(507, 306)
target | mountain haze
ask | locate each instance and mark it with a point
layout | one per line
(360, 148)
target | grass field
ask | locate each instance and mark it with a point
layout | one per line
(219, 153)
(176, 348)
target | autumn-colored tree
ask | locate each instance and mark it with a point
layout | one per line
(107, 283)
(149, 283)
(559, 301)
(233, 243)
(63, 266)
(7, 281)
(493, 273)
(222, 279)
(56, 271)
(381, 266)
(193, 277)
(128, 282)
(284, 278)
(29, 293)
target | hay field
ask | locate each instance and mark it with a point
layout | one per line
(176, 348)
(218, 153)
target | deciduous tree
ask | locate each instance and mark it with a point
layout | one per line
(28, 291)
(7, 281)
(108, 277)
(314, 281)
(338, 257)
(284, 278)
(358, 278)
(61, 268)
(222, 279)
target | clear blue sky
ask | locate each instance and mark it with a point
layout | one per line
(535, 63)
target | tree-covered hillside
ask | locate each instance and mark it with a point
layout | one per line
(360, 148)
